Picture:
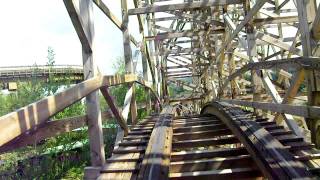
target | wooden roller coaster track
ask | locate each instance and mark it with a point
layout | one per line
(223, 142)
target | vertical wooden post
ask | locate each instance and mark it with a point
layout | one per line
(133, 106)
(306, 12)
(252, 53)
(163, 67)
(232, 65)
(145, 70)
(128, 56)
(92, 100)
(145, 63)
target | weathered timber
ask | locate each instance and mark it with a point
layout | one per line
(156, 161)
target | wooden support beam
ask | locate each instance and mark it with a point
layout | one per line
(47, 130)
(51, 129)
(182, 6)
(118, 116)
(145, 51)
(186, 33)
(303, 111)
(126, 104)
(233, 83)
(90, 68)
(133, 106)
(246, 19)
(303, 13)
(170, 18)
(275, 20)
(197, 18)
(78, 24)
(187, 66)
(306, 10)
(146, 68)
(292, 91)
(183, 76)
(185, 99)
(163, 28)
(156, 160)
(316, 26)
(128, 58)
(140, 21)
(276, 42)
(103, 7)
(23, 119)
(178, 52)
(300, 62)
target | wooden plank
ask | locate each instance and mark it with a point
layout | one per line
(156, 161)
(214, 163)
(200, 134)
(204, 142)
(202, 154)
(114, 109)
(236, 173)
(182, 6)
(213, 125)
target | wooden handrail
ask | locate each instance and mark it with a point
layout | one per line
(51, 129)
(23, 119)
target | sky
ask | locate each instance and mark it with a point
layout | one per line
(28, 28)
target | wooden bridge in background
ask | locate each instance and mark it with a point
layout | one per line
(10, 75)
(250, 75)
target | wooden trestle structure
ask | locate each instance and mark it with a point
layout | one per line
(244, 65)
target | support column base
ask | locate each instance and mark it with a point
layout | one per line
(91, 172)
